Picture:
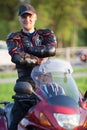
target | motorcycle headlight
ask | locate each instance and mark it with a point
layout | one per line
(67, 121)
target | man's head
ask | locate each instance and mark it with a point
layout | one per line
(26, 8)
(27, 17)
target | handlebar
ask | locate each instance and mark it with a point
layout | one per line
(29, 98)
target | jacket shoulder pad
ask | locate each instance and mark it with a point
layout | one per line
(44, 31)
(12, 35)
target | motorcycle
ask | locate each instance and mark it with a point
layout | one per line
(59, 103)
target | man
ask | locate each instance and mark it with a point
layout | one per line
(28, 48)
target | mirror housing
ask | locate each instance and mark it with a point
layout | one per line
(23, 88)
(85, 95)
(83, 102)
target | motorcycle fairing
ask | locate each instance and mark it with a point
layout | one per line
(62, 100)
(8, 109)
(48, 110)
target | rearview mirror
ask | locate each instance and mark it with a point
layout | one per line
(83, 102)
(23, 88)
(85, 95)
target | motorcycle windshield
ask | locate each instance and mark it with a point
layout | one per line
(58, 74)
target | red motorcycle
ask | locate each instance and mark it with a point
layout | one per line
(59, 103)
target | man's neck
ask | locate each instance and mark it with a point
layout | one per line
(30, 31)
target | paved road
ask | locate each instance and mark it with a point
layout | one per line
(75, 64)
(13, 80)
(7, 80)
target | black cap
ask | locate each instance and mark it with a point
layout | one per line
(26, 8)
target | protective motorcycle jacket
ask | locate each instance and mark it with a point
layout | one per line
(27, 50)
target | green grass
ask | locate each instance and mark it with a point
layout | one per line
(79, 70)
(6, 92)
(8, 74)
(6, 89)
(82, 83)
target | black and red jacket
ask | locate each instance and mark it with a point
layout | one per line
(27, 50)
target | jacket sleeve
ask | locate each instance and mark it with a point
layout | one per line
(18, 56)
(48, 47)
(42, 51)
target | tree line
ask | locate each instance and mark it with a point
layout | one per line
(68, 19)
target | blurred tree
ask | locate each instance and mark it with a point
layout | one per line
(63, 17)
(8, 9)
(68, 19)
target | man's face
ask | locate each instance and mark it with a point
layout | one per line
(28, 21)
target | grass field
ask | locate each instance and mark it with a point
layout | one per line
(6, 89)
(14, 73)
(82, 84)
(81, 81)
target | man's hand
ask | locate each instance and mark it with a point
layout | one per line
(26, 59)
(32, 60)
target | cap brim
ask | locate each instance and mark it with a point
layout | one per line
(26, 12)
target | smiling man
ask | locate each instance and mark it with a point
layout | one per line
(28, 47)
(27, 18)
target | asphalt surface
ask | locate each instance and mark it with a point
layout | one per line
(13, 80)
(74, 64)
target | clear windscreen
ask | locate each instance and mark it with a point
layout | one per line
(62, 80)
